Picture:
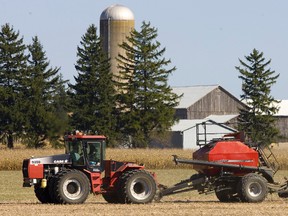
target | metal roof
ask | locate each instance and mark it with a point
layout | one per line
(191, 94)
(283, 108)
(117, 12)
(221, 118)
(282, 105)
(186, 124)
(190, 134)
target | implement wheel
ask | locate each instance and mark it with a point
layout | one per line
(136, 186)
(283, 193)
(252, 188)
(71, 187)
(227, 195)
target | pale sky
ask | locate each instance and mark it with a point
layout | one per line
(204, 39)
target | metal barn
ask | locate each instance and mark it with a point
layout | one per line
(184, 133)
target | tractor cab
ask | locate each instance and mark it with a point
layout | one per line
(86, 151)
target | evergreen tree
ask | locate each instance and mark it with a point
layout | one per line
(145, 101)
(61, 107)
(13, 68)
(40, 89)
(257, 121)
(93, 93)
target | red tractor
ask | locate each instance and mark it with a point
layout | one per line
(233, 169)
(69, 178)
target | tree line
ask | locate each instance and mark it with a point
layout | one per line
(37, 105)
(131, 108)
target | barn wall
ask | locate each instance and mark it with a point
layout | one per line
(217, 102)
(282, 125)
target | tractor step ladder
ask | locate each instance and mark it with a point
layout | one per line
(267, 158)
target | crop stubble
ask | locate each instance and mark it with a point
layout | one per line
(15, 200)
(164, 208)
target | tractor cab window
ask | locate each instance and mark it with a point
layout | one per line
(76, 152)
(94, 153)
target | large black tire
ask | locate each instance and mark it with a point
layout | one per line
(252, 188)
(70, 187)
(227, 195)
(51, 187)
(136, 186)
(42, 194)
(283, 194)
(111, 197)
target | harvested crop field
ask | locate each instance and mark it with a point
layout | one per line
(165, 208)
(15, 200)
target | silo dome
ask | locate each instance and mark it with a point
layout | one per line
(116, 24)
(117, 12)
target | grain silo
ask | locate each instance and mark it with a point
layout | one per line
(116, 22)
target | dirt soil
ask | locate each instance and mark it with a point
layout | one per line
(207, 205)
(18, 201)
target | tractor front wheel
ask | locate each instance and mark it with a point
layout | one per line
(42, 194)
(252, 188)
(71, 187)
(136, 186)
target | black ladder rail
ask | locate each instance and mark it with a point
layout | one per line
(268, 159)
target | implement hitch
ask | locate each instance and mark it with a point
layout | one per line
(193, 183)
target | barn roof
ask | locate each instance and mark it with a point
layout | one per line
(191, 94)
(186, 124)
(221, 118)
(282, 105)
(283, 108)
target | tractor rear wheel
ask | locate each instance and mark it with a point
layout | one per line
(252, 188)
(71, 187)
(42, 194)
(136, 186)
